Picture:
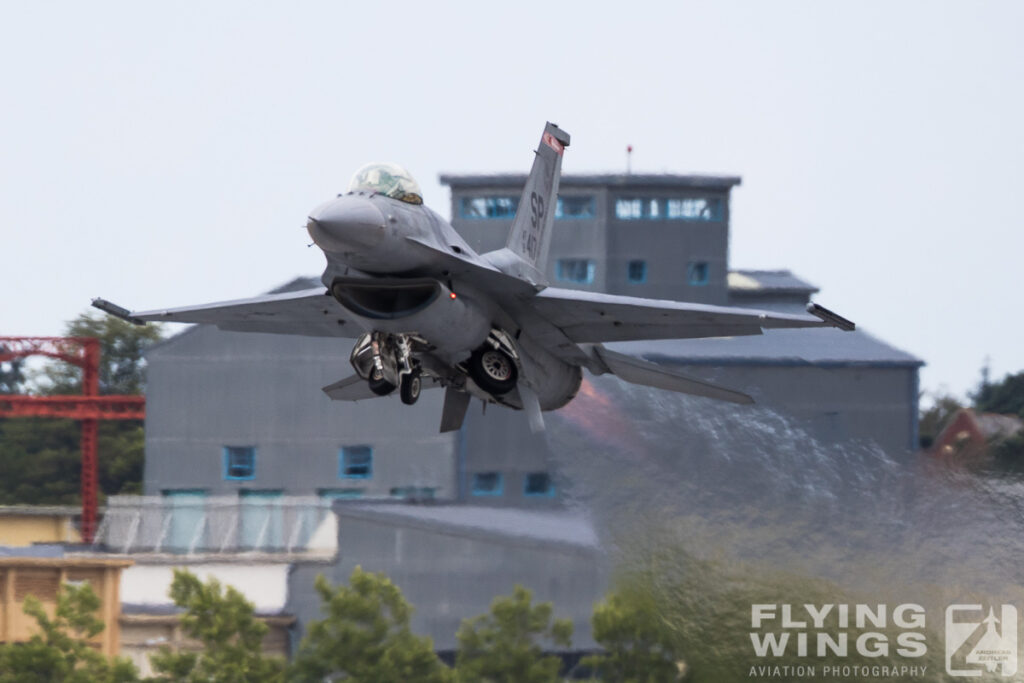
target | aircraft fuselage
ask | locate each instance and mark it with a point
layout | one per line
(380, 271)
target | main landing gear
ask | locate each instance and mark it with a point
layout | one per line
(386, 362)
(494, 370)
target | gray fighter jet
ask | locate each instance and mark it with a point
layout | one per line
(427, 311)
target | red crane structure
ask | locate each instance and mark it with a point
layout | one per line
(89, 408)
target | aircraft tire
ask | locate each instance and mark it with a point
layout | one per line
(493, 371)
(410, 388)
(379, 385)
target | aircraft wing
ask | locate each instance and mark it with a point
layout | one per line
(309, 312)
(592, 317)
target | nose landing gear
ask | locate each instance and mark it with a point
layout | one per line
(386, 363)
(411, 384)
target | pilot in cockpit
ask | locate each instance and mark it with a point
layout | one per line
(390, 180)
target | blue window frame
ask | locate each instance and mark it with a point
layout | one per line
(574, 207)
(538, 485)
(629, 209)
(698, 273)
(355, 462)
(262, 519)
(488, 207)
(636, 272)
(639, 208)
(239, 463)
(578, 270)
(187, 509)
(694, 209)
(488, 484)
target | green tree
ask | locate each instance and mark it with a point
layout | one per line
(60, 653)
(122, 366)
(12, 374)
(365, 636)
(638, 646)
(224, 622)
(1005, 397)
(505, 645)
(40, 461)
(1009, 452)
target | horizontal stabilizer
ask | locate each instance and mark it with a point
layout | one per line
(650, 374)
(353, 388)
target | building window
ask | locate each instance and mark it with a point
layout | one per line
(695, 209)
(652, 209)
(187, 524)
(332, 494)
(635, 208)
(636, 272)
(262, 520)
(575, 207)
(413, 492)
(239, 462)
(487, 484)
(488, 207)
(355, 462)
(575, 270)
(539, 485)
(629, 209)
(698, 273)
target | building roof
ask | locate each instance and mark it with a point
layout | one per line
(76, 561)
(561, 527)
(768, 282)
(996, 426)
(812, 347)
(517, 180)
(40, 510)
(50, 550)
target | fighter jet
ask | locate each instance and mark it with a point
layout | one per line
(427, 311)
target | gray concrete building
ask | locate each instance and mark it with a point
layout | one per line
(656, 236)
(451, 561)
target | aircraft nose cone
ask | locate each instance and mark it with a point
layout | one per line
(347, 223)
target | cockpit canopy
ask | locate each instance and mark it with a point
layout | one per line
(387, 179)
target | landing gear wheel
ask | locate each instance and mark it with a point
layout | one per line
(493, 370)
(410, 388)
(378, 384)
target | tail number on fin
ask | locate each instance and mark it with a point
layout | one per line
(531, 240)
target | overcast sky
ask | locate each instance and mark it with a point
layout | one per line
(167, 154)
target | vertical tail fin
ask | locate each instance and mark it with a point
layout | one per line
(530, 235)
